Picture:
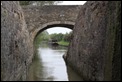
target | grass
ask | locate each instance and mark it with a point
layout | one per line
(63, 43)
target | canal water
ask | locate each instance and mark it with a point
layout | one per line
(48, 65)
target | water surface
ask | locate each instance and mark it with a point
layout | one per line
(48, 65)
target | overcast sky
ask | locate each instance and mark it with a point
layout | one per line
(72, 3)
(61, 29)
(58, 30)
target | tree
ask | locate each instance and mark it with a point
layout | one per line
(68, 37)
(44, 36)
(39, 3)
(61, 37)
(57, 37)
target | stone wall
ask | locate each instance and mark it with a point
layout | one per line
(113, 42)
(95, 50)
(16, 48)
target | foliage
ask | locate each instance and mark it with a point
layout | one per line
(56, 36)
(64, 43)
(68, 37)
(44, 36)
(61, 37)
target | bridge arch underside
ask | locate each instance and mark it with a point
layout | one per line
(47, 26)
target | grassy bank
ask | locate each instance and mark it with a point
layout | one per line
(63, 43)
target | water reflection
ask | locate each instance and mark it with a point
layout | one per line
(48, 65)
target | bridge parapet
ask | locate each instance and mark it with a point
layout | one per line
(38, 16)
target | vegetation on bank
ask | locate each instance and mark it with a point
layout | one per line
(44, 36)
(63, 43)
(61, 39)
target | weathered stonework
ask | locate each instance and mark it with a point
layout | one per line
(113, 42)
(95, 50)
(41, 18)
(17, 35)
(16, 48)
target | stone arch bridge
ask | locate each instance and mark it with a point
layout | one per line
(95, 49)
(41, 18)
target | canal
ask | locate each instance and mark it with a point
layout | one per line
(48, 65)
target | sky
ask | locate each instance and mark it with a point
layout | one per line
(61, 29)
(58, 30)
(72, 3)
